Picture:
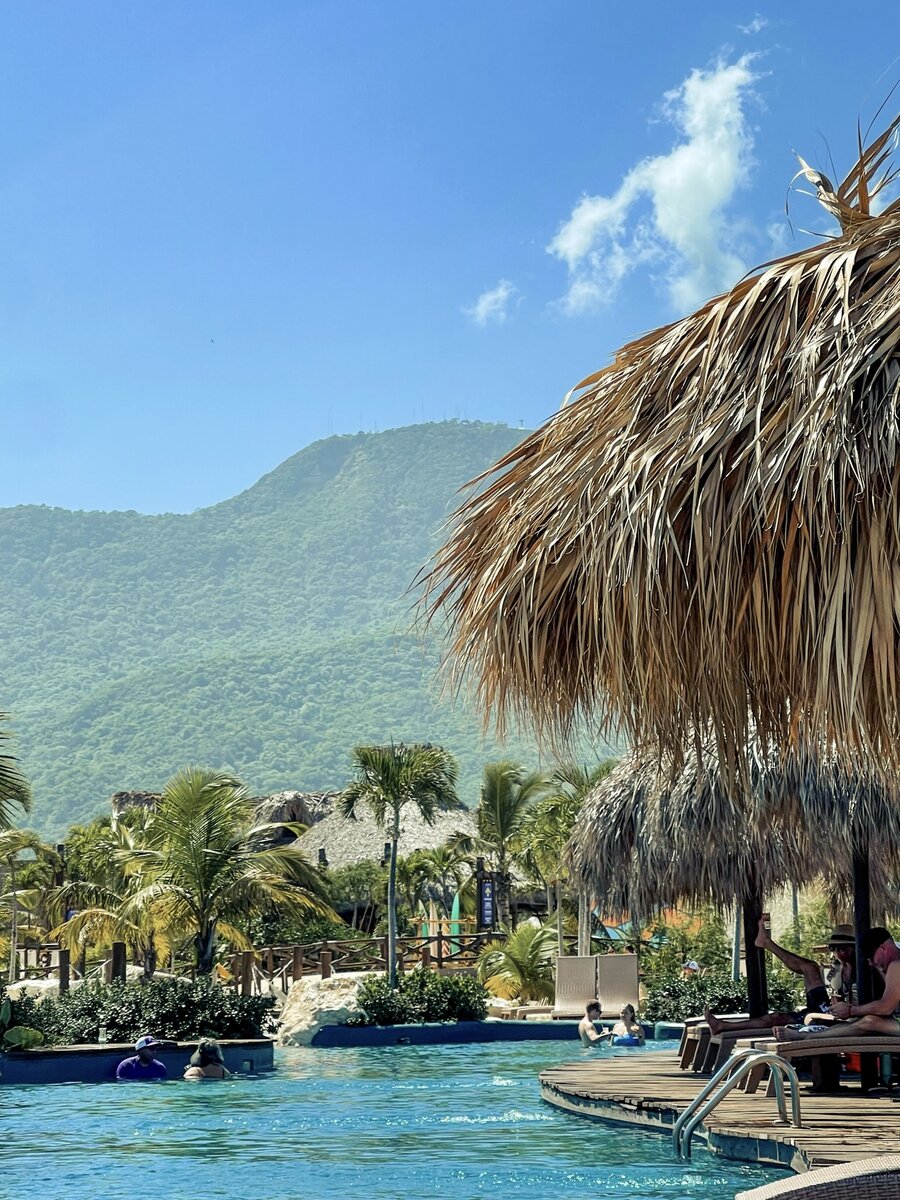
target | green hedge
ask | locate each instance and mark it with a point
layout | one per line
(677, 999)
(421, 996)
(174, 1009)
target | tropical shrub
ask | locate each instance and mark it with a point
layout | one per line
(14, 1033)
(675, 999)
(176, 1009)
(521, 966)
(421, 996)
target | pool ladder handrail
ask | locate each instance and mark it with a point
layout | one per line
(730, 1075)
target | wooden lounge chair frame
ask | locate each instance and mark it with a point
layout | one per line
(818, 1049)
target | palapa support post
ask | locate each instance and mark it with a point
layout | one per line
(117, 965)
(247, 973)
(862, 923)
(757, 992)
(64, 969)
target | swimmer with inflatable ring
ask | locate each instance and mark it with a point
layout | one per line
(627, 1031)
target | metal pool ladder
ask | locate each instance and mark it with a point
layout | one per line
(729, 1076)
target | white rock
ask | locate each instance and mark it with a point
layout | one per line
(313, 1003)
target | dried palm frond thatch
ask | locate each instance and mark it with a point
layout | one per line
(709, 535)
(649, 837)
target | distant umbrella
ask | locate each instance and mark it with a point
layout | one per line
(709, 536)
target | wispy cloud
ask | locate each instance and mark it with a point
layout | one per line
(757, 25)
(492, 306)
(671, 210)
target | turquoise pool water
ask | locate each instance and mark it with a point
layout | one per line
(456, 1122)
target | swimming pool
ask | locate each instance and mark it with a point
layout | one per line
(460, 1122)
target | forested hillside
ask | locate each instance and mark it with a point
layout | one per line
(266, 634)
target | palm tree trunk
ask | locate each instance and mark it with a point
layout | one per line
(205, 948)
(560, 942)
(13, 922)
(502, 890)
(584, 924)
(392, 903)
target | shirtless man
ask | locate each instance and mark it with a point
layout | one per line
(841, 944)
(880, 1016)
(587, 1030)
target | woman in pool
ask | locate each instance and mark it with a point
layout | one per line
(627, 1031)
(207, 1062)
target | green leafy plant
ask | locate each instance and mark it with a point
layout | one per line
(675, 999)
(521, 967)
(16, 1036)
(167, 1008)
(421, 996)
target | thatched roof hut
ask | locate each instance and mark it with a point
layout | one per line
(709, 535)
(649, 837)
(347, 842)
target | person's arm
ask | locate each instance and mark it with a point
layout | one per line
(885, 1006)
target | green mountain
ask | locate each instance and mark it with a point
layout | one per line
(268, 633)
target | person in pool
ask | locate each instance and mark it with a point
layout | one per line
(207, 1062)
(628, 1031)
(143, 1066)
(587, 1028)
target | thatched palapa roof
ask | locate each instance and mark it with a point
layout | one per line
(649, 836)
(709, 534)
(347, 842)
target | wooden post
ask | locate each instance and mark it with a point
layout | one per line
(325, 964)
(247, 973)
(297, 964)
(426, 956)
(63, 970)
(862, 921)
(757, 992)
(117, 969)
(270, 961)
(385, 950)
(440, 950)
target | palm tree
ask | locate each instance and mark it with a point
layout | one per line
(444, 870)
(387, 779)
(521, 967)
(14, 842)
(106, 875)
(207, 865)
(507, 793)
(14, 789)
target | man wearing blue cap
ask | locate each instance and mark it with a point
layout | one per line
(143, 1065)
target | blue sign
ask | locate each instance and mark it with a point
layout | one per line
(487, 903)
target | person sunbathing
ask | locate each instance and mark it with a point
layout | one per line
(841, 943)
(880, 1017)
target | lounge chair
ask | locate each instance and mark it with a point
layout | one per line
(818, 1049)
(617, 981)
(866, 1179)
(576, 984)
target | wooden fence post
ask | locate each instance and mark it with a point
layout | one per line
(426, 956)
(325, 964)
(297, 964)
(247, 973)
(63, 970)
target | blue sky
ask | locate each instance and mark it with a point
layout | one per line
(230, 229)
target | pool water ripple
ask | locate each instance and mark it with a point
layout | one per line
(465, 1121)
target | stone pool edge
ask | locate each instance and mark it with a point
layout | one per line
(97, 1064)
(660, 1118)
(454, 1033)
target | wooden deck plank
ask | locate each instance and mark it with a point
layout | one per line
(652, 1090)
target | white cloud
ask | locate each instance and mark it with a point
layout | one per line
(492, 306)
(670, 210)
(757, 25)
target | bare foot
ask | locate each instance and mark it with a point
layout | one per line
(784, 1033)
(762, 938)
(715, 1025)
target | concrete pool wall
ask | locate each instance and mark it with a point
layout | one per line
(97, 1064)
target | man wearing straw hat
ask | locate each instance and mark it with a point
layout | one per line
(819, 995)
(881, 1016)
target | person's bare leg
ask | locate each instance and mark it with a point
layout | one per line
(741, 1025)
(860, 1026)
(811, 971)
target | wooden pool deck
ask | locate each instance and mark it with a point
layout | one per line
(650, 1091)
